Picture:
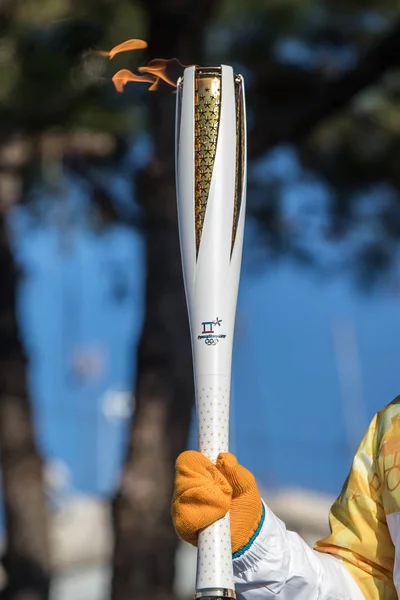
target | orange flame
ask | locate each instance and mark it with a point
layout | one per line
(133, 44)
(121, 78)
(158, 69)
(154, 72)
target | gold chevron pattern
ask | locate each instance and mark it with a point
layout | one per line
(207, 115)
(240, 155)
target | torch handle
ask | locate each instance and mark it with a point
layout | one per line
(214, 557)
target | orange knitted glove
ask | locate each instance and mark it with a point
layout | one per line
(205, 492)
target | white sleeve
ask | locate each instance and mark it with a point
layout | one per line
(280, 564)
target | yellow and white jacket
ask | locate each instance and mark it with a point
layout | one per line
(360, 559)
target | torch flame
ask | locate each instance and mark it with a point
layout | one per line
(133, 44)
(154, 72)
(157, 68)
(121, 78)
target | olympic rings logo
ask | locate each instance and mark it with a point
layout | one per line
(211, 341)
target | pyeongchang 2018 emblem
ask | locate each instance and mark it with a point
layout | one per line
(209, 334)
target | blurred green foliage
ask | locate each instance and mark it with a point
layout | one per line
(307, 86)
(49, 71)
(323, 77)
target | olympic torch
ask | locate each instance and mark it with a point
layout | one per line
(211, 196)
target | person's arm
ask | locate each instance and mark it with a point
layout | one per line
(279, 564)
(269, 561)
(360, 518)
(387, 465)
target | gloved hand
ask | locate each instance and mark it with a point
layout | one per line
(205, 492)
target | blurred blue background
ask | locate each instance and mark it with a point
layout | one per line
(87, 191)
(314, 356)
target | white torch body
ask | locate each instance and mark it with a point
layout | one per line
(211, 176)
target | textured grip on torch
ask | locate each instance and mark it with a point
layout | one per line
(214, 557)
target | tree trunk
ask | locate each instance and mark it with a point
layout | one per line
(26, 559)
(145, 539)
